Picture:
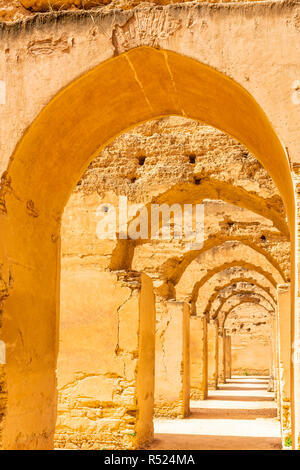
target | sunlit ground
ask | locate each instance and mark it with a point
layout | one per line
(240, 415)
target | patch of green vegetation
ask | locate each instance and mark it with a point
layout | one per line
(246, 373)
(288, 442)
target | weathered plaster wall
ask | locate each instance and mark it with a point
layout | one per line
(105, 367)
(13, 10)
(153, 163)
(36, 50)
(212, 355)
(250, 329)
(172, 361)
(146, 162)
(33, 53)
(199, 352)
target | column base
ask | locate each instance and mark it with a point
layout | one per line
(197, 394)
(173, 410)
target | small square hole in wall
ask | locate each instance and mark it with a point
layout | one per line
(142, 160)
(192, 158)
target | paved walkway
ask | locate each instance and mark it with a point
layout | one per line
(241, 415)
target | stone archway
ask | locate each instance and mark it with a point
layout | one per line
(236, 274)
(236, 298)
(247, 324)
(219, 294)
(139, 85)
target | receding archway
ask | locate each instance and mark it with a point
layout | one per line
(236, 274)
(221, 295)
(139, 85)
(250, 326)
(241, 296)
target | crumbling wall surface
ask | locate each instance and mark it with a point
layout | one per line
(168, 160)
(15, 9)
(12, 10)
(45, 45)
(163, 158)
(219, 258)
(106, 351)
(220, 297)
(101, 396)
(230, 278)
(145, 162)
(222, 222)
(251, 345)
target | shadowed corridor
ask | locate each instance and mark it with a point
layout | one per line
(240, 415)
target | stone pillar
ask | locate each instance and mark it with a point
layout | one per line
(295, 316)
(284, 336)
(273, 339)
(172, 373)
(199, 357)
(212, 354)
(221, 356)
(105, 368)
(227, 356)
(277, 365)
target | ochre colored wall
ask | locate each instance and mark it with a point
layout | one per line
(172, 361)
(55, 149)
(252, 357)
(198, 334)
(212, 355)
(106, 360)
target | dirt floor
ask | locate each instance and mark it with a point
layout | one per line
(241, 415)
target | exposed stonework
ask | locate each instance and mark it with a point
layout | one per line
(217, 160)
(142, 165)
(113, 68)
(172, 388)
(13, 10)
(105, 400)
